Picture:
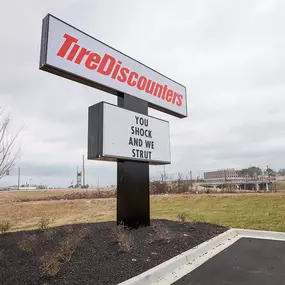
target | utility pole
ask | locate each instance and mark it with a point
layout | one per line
(161, 176)
(19, 171)
(83, 172)
(77, 176)
(98, 183)
(191, 185)
(268, 177)
(164, 175)
(268, 174)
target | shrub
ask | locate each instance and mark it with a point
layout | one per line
(67, 248)
(69, 245)
(43, 223)
(123, 238)
(5, 226)
(182, 217)
(182, 185)
(28, 243)
(158, 187)
(50, 264)
(160, 231)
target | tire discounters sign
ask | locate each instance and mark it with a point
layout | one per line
(68, 52)
(124, 134)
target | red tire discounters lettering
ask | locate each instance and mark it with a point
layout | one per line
(109, 66)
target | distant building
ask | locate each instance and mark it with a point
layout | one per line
(23, 188)
(280, 177)
(223, 175)
(220, 178)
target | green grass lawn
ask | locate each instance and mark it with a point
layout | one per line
(263, 212)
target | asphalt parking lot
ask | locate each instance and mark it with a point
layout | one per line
(247, 262)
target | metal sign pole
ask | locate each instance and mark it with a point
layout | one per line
(133, 205)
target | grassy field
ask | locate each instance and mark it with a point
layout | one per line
(263, 211)
(19, 196)
(252, 211)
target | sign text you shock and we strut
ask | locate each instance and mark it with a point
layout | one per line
(138, 142)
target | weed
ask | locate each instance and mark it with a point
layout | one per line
(67, 248)
(5, 226)
(69, 245)
(182, 217)
(124, 239)
(50, 264)
(43, 223)
(160, 231)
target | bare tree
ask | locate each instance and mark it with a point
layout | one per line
(163, 176)
(182, 185)
(9, 154)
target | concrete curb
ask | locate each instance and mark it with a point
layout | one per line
(182, 264)
(192, 256)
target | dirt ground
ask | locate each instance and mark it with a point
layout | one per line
(84, 254)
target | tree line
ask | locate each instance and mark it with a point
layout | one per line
(254, 172)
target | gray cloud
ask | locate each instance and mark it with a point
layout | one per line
(229, 54)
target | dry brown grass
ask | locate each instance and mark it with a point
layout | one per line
(42, 195)
(14, 196)
(256, 210)
(26, 215)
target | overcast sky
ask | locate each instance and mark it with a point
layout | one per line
(229, 54)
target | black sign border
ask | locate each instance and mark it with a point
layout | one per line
(68, 75)
(97, 124)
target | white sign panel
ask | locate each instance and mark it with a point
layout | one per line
(134, 136)
(70, 53)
